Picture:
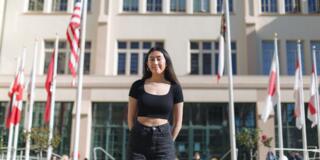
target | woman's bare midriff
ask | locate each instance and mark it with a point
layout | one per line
(148, 121)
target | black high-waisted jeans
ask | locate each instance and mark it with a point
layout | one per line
(150, 143)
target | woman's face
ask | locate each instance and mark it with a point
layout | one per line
(156, 62)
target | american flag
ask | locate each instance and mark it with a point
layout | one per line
(73, 36)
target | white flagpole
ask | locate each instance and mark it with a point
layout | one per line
(11, 129)
(230, 74)
(16, 130)
(279, 114)
(53, 94)
(80, 77)
(32, 89)
(302, 113)
(314, 58)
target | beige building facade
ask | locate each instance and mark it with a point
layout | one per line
(119, 33)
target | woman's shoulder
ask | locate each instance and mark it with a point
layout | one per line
(176, 86)
(137, 83)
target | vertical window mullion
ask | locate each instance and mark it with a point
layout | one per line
(200, 58)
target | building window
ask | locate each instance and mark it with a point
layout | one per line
(64, 55)
(317, 45)
(154, 5)
(205, 56)
(35, 5)
(292, 6)
(59, 5)
(130, 5)
(62, 122)
(131, 55)
(201, 6)
(314, 6)
(178, 6)
(220, 5)
(108, 129)
(291, 135)
(269, 6)
(292, 55)
(267, 55)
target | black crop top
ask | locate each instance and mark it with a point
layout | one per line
(155, 106)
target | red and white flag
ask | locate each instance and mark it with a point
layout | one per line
(312, 108)
(12, 90)
(272, 97)
(297, 96)
(221, 47)
(16, 98)
(48, 88)
(73, 36)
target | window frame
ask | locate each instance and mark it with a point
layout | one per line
(316, 6)
(131, 6)
(178, 6)
(66, 53)
(128, 51)
(58, 4)
(291, 6)
(153, 7)
(35, 6)
(214, 52)
(269, 6)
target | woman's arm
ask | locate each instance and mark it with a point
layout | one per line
(177, 119)
(132, 111)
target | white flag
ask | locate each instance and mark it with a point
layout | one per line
(297, 96)
(272, 97)
(312, 108)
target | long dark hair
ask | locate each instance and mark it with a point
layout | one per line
(169, 73)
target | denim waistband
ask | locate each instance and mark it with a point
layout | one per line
(162, 127)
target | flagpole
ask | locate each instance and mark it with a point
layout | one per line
(53, 94)
(231, 103)
(304, 133)
(316, 91)
(32, 81)
(80, 78)
(11, 129)
(279, 114)
(16, 130)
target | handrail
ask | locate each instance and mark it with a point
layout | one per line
(315, 151)
(227, 153)
(104, 151)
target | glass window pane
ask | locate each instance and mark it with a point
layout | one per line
(267, 54)
(206, 45)
(61, 67)
(108, 128)
(121, 63)
(194, 45)
(159, 44)
(60, 5)
(206, 65)
(134, 63)
(269, 6)
(194, 63)
(146, 45)
(234, 63)
(154, 5)
(35, 5)
(134, 45)
(122, 45)
(87, 57)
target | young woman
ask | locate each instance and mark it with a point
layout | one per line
(153, 100)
